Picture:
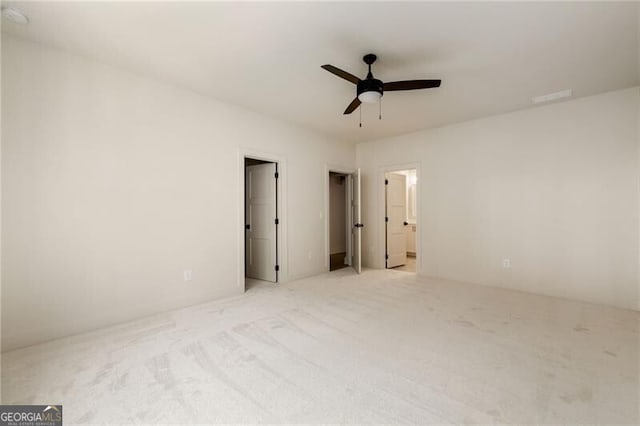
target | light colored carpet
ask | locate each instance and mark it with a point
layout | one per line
(382, 347)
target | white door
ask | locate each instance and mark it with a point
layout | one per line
(396, 200)
(261, 228)
(357, 222)
(349, 220)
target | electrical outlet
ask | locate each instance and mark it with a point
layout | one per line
(187, 274)
(506, 263)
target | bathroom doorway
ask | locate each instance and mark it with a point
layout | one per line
(401, 220)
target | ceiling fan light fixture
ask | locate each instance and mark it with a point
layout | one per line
(370, 97)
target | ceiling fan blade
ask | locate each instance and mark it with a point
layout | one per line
(342, 74)
(410, 85)
(352, 106)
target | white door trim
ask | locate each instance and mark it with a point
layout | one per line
(379, 219)
(283, 273)
(328, 168)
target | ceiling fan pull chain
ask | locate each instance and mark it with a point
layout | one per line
(380, 108)
(360, 115)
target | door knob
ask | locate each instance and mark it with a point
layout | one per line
(247, 226)
(406, 223)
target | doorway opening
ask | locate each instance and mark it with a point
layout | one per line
(401, 220)
(339, 229)
(343, 225)
(261, 221)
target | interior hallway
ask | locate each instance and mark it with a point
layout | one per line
(383, 347)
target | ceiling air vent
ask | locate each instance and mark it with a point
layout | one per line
(552, 96)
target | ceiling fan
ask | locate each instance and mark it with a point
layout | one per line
(370, 90)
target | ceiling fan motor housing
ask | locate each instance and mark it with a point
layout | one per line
(370, 85)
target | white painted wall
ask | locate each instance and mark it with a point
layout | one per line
(337, 216)
(553, 188)
(113, 184)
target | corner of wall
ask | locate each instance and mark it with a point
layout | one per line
(492, 186)
(638, 175)
(0, 211)
(164, 189)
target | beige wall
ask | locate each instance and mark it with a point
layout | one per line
(113, 184)
(554, 189)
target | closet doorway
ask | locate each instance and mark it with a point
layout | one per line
(261, 220)
(338, 223)
(343, 243)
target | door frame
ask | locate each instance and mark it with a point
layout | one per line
(382, 232)
(328, 168)
(281, 203)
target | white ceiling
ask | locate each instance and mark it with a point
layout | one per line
(491, 57)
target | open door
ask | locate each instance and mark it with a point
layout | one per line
(357, 222)
(261, 222)
(396, 215)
